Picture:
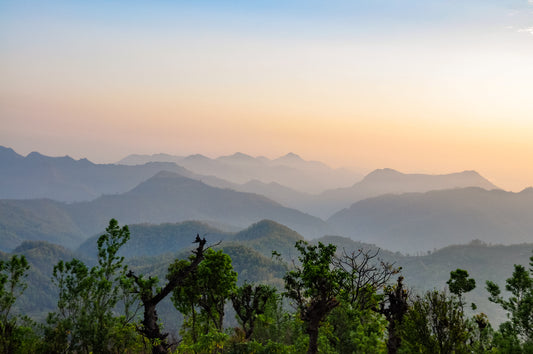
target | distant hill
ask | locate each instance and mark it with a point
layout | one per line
(284, 195)
(289, 170)
(35, 220)
(267, 236)
(65, 179)
(415, 222)
(136, 159)
(151, 240)
(164, 198)
(169, 197)
(41, 295)
(388, 181)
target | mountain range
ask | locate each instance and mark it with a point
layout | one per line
(424, 221)
(166, 197)
(289, 170)
(402, 212)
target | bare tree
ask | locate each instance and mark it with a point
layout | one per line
(365, 274)
(150, 297)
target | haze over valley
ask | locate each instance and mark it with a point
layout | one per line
(65, 201)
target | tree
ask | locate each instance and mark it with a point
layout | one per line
(315, 287)
(12, 285)
(435, 323)
(86, 320)
(364, 274)
(459, 284)
(151, 295)
(519, 305)
(203, 295)
(357, 325)
(250, 303)
(395, 307)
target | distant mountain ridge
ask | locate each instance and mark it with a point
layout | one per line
(169, 197)
(166, 197)
(414, 222)
(389, 181)
(68, 180)
(289, 170)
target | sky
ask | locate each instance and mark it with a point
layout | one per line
(425, 86)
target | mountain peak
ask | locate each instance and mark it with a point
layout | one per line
(8, 153)
(238, 156)
(527, 190)
(382, 173)
(266, 228)
(292, 155)
(197, 157)
(34, 155)
(472, 173)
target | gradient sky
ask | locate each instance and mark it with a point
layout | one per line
(417, 85)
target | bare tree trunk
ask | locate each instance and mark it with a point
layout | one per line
(150, 300)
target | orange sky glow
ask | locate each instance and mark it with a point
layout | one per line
(418, 97)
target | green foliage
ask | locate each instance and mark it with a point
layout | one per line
(355, 330)
(267, 235)
(394, 307)
(435, 324)
(86, 320)
(314, 287)
(250, 304)
(12, 284)
(207, 289)
(519, 307)
(459, 283)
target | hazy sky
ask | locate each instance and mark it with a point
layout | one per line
(416, 85)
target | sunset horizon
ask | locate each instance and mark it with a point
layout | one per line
(417, 86)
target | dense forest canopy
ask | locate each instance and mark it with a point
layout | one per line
(329, 301)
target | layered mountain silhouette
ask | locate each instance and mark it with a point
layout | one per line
(169, 197)
(39, 219)
(386, 181)
(65, 179)
(290, 170)
(378, 182)
(415, 222)
(151, 240)
(166, 197)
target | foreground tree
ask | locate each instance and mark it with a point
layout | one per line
(459, 284)
(315, 287)
(151, 295)
(435, 324)
(86, 320)
(12, 285)
(517, 333)
(395, 307)
(250, 303)
(357, 325)
(202, 297)
(364, 274)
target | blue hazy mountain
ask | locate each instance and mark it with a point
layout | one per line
(415, 222)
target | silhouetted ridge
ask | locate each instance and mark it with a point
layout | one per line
(266, 228)
(8, 154)
(197, 157)
(382, 174)
(238, 156)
